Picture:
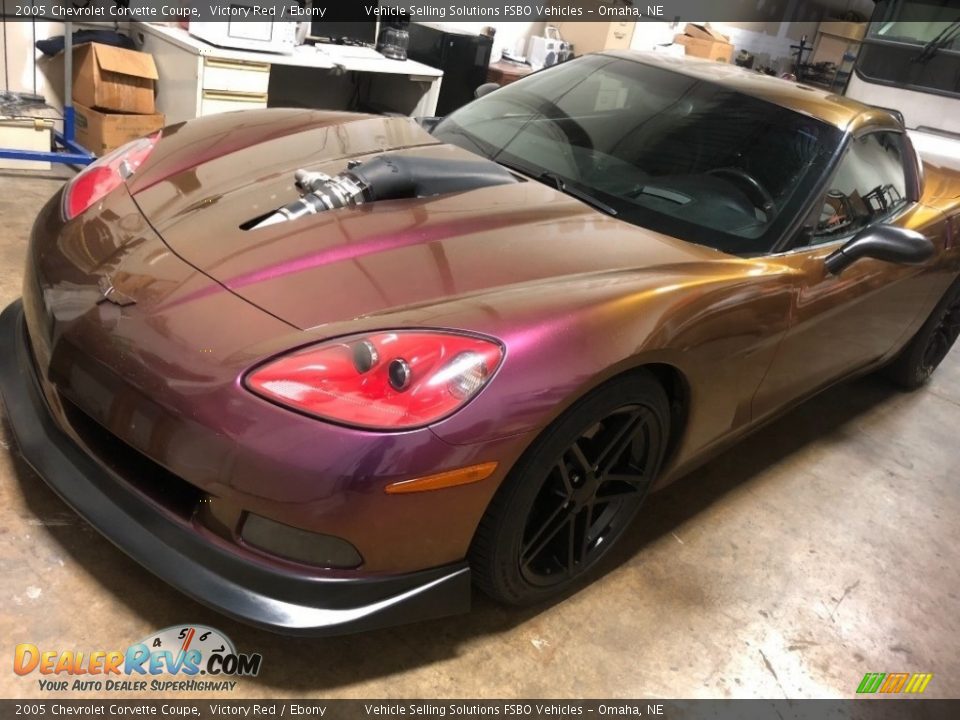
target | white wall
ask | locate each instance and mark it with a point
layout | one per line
(648, 34)
(18, 56)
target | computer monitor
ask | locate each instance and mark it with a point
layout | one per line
(333, 30)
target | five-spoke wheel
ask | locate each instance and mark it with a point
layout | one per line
(590, 491)
(575, 490)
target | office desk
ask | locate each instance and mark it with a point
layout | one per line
(198, 79)
(504, 72)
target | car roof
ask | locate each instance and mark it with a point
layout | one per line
(831, 108)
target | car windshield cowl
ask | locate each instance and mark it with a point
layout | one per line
(657, 148)
(562, 184)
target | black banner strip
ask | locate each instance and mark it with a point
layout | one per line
(552, 11)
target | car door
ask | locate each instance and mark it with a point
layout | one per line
(843, 323)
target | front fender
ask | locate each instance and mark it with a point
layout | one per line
(717, 323)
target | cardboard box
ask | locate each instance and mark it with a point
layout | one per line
(704, 42)
(703, 32)
(112, 78)
(843, 29)
(101, 132)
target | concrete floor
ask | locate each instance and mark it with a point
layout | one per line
(820, 549)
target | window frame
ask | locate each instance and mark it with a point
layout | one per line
(912, 167)
(887, 11)
(899, 45)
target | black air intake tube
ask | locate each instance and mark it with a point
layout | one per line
(388, 177)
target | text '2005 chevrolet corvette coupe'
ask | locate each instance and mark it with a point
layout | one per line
(322, 371)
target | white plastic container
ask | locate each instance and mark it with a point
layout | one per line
(25, 134)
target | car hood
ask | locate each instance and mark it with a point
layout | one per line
(207, 178)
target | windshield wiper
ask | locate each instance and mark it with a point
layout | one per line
(548, 178)
(942, 39)
(564, 186)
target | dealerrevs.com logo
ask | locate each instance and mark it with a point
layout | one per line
(178, 658)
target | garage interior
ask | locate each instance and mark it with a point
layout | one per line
(818, 549)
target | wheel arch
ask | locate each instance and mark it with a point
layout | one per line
(486, 538)
(674, 381)
(677, 386)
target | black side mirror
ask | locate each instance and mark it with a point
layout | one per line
(485, 89)
(881, 242)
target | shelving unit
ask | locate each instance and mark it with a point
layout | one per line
(835, 50)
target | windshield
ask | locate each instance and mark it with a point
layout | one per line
(913, 44)
(916, 22)
(660, 149)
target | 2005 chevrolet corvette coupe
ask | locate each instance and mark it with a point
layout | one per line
(322, 370)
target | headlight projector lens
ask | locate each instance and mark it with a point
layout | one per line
(399, 372)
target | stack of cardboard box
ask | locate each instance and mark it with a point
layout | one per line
(113, 96)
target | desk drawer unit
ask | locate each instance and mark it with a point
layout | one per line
(216, 101)
(233, 85)
(236, 76)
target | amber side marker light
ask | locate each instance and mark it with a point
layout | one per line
(451, 478)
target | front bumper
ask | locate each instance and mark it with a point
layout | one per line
(274, 598)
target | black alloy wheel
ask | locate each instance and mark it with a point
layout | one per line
(590, 493)
(573, 493)
(915, 364)
(945, 333)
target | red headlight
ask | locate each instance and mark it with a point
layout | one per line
(387, 381)
(107, 173)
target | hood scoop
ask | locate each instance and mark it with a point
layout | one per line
(385, 177)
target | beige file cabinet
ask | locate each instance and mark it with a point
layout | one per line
(588, 37)
(233, 85)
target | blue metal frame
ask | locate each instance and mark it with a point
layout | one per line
(73, 153)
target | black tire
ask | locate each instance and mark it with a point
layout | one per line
(573, 492)
(915, 364)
